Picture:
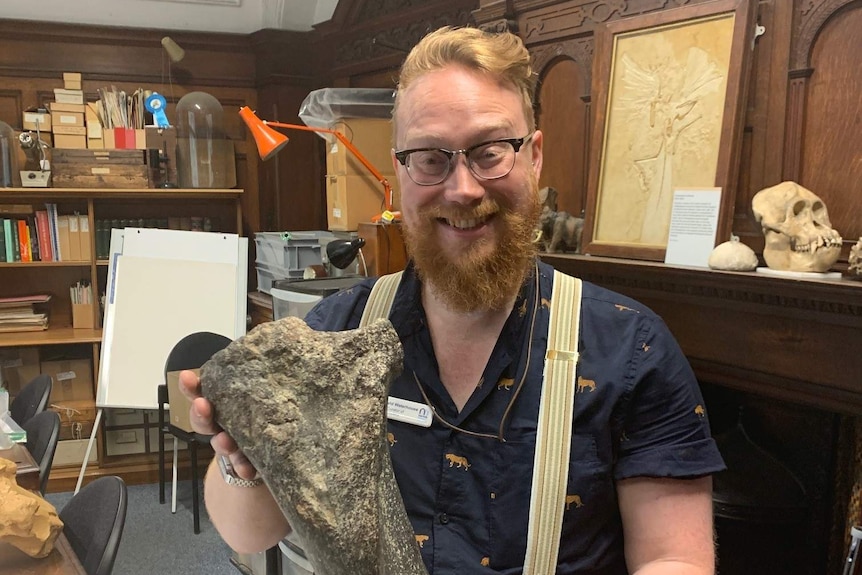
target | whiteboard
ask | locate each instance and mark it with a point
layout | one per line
(155, 298)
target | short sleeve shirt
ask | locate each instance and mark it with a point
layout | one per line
(638, 412)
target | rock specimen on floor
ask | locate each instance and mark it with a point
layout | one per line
(309, 410)
(27, 521)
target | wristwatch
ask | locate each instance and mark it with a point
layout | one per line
(231, 478)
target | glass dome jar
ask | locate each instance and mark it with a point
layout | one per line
(204, 154)
(10, 177)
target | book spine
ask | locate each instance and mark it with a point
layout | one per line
(2, 240)
(35, 248)
(46, 250)
(7, 234)
(24, 241)
(16, 247)
(55, 234)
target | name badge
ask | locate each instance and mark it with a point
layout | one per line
(408, 411)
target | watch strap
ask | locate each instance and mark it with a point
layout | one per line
(231, 478)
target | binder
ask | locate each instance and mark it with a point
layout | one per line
(63, 238)
(46, 247)
(84, 230)
(7, 234)
(74, 238)
(24, 241)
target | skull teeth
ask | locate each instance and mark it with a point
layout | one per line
(814, 245)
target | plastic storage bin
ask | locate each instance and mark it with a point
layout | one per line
(291, 250)
(297, 297)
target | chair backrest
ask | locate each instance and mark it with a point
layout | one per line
(194, 350)
(93, 521)
(32, 399)
(191, 352)
(43, 431)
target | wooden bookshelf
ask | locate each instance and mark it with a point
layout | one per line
(126, 206)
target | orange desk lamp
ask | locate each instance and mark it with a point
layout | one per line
(269, 142)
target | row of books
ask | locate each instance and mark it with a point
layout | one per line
(21, 314)
(45, 236)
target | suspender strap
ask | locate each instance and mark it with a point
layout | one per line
(380, 298)
(554, 433)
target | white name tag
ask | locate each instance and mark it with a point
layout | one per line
(408, 411)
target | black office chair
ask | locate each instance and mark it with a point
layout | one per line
(32, 399)
(191, 352)
(43, 431)
(93, 521)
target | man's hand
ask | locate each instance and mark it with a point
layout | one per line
(202, 417)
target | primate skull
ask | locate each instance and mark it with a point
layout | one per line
(799, 236)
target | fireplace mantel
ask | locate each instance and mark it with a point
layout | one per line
(798, 340)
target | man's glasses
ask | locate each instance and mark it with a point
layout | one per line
(488, 160)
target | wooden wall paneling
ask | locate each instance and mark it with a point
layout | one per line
(367, 36)
(761, 158)
(831, 150)
(562, 117)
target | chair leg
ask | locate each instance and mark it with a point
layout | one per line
(174, 482)
(195, 505)
(162, 465)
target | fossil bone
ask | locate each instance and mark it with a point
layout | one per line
(27, 521)
(309, 410)
(732, 255)
(795, 223)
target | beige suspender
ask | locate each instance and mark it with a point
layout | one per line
(380, 299)
(556, 410)
(554, 433)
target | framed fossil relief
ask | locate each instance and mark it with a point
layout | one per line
(669, 90)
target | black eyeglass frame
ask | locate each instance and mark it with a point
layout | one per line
(516, 143)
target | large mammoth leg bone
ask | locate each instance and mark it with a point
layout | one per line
(309, 410)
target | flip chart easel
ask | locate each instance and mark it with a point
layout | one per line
(163, 285)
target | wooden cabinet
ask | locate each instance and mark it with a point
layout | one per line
(115, 208)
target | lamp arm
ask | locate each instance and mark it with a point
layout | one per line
(387, 188)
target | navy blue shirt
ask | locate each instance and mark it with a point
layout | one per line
(638, 412)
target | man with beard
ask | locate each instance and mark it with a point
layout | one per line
(471, 311)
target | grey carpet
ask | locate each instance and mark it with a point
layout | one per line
(157, 542)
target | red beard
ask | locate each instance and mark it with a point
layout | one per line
(476, 279)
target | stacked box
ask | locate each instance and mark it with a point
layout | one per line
(73, 379)
(77, 418)
(99, 169)
(18, 366)
(284, 255)
(353, 194)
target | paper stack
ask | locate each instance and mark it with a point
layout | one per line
(19, 313)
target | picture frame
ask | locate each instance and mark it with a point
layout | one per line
(669, 93)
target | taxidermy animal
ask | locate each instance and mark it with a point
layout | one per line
(560, 231)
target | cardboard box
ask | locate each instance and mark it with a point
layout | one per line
(65, 96)
(70, 130)
(18, 366)
(36, 120)
(371, 136)
(179, 404)
(70, 141)
(72, 80)
(76, 418)
(63, 107)
(82, 316)
(126, 416)
(73, 379)
(68, 119)
(354, 199)
(71, 453)
(129, 441)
